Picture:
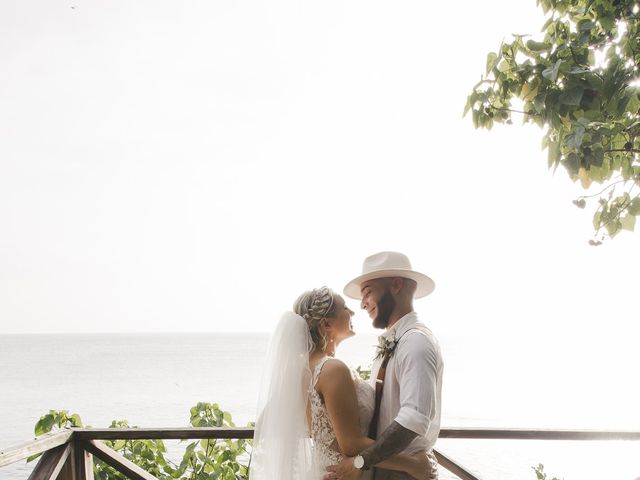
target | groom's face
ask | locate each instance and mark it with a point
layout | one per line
(378, 301)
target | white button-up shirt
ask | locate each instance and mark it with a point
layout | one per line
(413, 383)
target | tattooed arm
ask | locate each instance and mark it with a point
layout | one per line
(384, 454)
(337, 389)
(392, 441)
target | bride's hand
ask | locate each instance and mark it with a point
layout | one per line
(424, 466)
(343, 471)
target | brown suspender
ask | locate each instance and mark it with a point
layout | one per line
(373, 426)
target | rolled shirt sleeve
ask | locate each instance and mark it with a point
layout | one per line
(417, 370)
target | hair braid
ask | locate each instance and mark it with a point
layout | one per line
(313, 306)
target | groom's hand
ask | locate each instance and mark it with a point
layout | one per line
(424, 466)
(343, 471)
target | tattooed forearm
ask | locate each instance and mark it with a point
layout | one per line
(392, 441)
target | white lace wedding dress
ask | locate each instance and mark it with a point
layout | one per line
(325, 445)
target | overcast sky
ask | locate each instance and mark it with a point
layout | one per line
(194, 166)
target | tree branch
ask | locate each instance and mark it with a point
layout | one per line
(631, 150)
(531, 114)
(603, 190)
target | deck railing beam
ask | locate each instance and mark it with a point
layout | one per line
(38, 445)
(247, 433)
(163, 433)
(531, 434)
(77, 445)
(115, 460)
(454, 467)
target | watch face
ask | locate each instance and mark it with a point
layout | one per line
(358, 461)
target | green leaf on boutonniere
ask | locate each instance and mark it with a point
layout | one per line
(385, 346)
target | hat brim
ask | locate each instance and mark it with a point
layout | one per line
(424, 288)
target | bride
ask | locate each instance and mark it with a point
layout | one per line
(313, 411)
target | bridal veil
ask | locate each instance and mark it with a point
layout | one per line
(282, 447)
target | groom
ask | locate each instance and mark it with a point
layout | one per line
(407, 372)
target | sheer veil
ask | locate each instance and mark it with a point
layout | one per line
(282, 447)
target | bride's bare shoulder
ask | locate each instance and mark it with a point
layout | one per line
(334, 370)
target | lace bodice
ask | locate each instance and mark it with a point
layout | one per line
(322, 433)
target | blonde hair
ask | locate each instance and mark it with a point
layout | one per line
(313, 306)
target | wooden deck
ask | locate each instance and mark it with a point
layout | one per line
(68, 454)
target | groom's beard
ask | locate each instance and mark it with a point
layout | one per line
(384, 308)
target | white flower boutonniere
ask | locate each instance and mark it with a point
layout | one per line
(386, 346)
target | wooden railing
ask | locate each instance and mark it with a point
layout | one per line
(68, 454)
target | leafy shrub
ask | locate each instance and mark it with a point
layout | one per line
(206, 459)
(540, 475)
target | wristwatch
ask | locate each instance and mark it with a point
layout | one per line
(358, 462)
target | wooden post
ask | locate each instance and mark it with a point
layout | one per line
(83, 463)
(51, 463)
(69, 469)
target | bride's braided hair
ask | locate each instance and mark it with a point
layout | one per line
(313, 306)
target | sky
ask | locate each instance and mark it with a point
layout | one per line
(194, 166)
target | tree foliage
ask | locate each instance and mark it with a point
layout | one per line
(578, 80)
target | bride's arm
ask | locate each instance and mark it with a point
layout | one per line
(337, 389)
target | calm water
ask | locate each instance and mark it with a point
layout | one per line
(153, 380)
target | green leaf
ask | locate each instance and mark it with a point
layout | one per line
(628, 222)
(607, 22)
(595, 173)
(572, 97)
(551, 73)
(597, 219)
(554, 154)
(45, 424)
(574, 139)
(75, 420)
(633, 105)
(228, 419)
(585, 25)
(33, 457)
(492, 60)
(467, 105)
(504, 66)
(572, 163)
(537, 46)
(613, 228)
(634, 206)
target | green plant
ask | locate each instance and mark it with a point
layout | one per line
(207, 459)
(364, 373)
(540, 475)
(55, 419)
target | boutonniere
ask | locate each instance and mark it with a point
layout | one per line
(385, 346)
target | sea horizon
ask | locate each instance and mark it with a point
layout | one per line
(151, 380)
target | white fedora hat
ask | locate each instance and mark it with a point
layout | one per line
(389, 264)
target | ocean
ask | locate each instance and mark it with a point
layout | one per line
(152, 380)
